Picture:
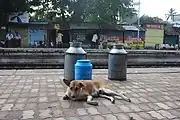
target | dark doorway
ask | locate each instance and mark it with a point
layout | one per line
(51, 38)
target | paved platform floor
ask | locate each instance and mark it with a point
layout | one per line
(36, 95)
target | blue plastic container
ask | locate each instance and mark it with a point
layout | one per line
(83, 70)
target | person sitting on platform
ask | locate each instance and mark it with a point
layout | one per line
(8, 41)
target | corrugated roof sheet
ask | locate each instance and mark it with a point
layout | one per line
(83, 26)
(111, 27)
(169, 30)
(130, 27)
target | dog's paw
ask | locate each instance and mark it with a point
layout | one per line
(131, 118)
(65, 97)
(113, 101)
(101, 91)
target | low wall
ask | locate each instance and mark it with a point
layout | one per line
(54, 58)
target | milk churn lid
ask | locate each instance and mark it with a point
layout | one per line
(118, 49)
(75, 48)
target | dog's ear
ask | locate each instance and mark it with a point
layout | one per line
(67, 82)
(82, 84)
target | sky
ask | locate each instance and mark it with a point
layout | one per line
(158, 8)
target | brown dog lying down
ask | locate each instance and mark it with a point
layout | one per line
(88, 89)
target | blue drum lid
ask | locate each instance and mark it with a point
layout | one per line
(83, 61)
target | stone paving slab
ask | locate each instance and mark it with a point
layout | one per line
(7, 72)
(36, 95)
(95, 71)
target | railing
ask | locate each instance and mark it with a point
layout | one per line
(21, 58)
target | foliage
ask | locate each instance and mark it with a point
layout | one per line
(84, 10)
(147, 19)
(49, 10)
(107, 10)
(11, 5)
(171, 14)
(18, 5)
(103, 11)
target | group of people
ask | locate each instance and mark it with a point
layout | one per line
(12, 40)
(101, 41)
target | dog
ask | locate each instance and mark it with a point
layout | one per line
(88, 89)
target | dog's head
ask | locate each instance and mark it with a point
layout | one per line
(75, 87)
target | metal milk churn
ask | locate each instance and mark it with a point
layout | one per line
(75, 52)
(117, 63)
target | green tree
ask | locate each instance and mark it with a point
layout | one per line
(105, 11)
(77, 10)
(147, 19)
(171, 13)
(50, 10)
